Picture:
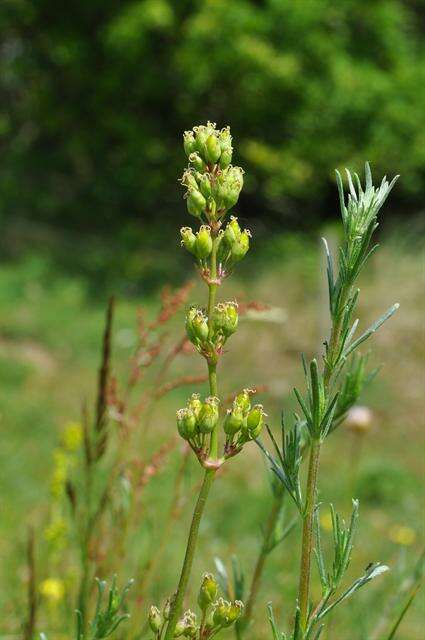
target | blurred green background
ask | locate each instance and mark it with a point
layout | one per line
(94, 98)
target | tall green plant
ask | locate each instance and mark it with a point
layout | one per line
(324, 403)
(212, 187)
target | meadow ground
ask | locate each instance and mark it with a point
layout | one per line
(50, 332)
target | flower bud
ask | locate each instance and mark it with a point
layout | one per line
(233, 421)
(204, 243)
(232, 232)
(196, 325)
(221, 608)
(189, 180)
(243, 400)
(207, 592)
(190, 626)
(226, 148)
(189, 142)
(208, 415)
(155, 619)
(234, 611)
(186, 423)
(202, 134)
(180, 628)
(188, 239)
(196, 202)
(194, 404)
(205, 185)
(225, 158)
(254, 421)
(212, 149)
(226, 318)
(241, 246)
(196, 160)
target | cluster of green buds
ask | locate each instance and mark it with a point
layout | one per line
(198, 419)
(217, 614)
(209, 338)
(187, 626)
(212, 183)
(243, 422)
(232, 244)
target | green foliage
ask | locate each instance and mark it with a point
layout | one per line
(94, 99)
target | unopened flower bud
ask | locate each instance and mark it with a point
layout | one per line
(208, 591)
(204, 243)
(180, 628)
(186, 423)
(226, 318)
(194, 404)
(188, 180)
(232, 232)
(191, 628)
(196, 160)
(155, 619)
(202, 134)
(241, 246)
(188, 239)
(212, 149)
(254, 421)
(189, 142)
(208, 415)
(243, 400)
(234, 611)
(234, 420)
(195, 202)
(225, 158)
(221, 609)
(205, 185)
(196, 325)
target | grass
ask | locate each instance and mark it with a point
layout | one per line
(50, 333)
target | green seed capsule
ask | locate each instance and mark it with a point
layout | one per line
(208, 415)
(204, 243)
(207, 592)
(196, 202)
(194, 404)
(190, 316)
(221, 609)
(243, 400)
(233, 421)
(254, 421)
(226, 158)
(188, 239)
(212, 149)
(196, 160)
(186, 423)
(205, 185)
(200, 327)
(155, 619)
(234, 612)
(189, 142)
(241, 246)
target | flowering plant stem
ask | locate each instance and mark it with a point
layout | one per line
(208, 476)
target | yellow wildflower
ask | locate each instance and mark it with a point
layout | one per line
(56, 532)
(401, 534)
(52, 589)
(72, 436)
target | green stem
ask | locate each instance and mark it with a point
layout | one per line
(307, 535)
(209, 473)
(190, 552)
